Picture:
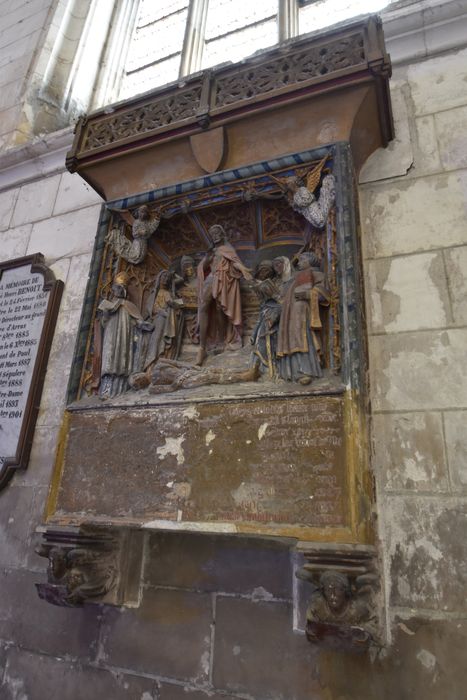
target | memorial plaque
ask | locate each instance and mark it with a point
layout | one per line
(219, 379)
(253, 463)
(29, 300)
(210, 390)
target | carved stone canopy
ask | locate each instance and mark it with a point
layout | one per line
(304, 94)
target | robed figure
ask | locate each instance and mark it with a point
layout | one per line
(267, 288)
(219, 304)
(297, 349)
(163, 324)
(187, 291)
(119, 317)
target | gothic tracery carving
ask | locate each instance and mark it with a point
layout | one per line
(293, 68)
(225, 88)
(153, 115)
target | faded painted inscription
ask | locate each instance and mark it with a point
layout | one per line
(253, 461)
(286, 462)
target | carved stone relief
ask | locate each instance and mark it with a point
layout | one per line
(221, 356)
(246, 295)
(342, 612)
(213, 384)
(79, 573)
(91, 565)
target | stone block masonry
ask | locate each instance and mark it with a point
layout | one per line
(414, 242)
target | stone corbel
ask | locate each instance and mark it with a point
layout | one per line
(91, 565)
(342, 611)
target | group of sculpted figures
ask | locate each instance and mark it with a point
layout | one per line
(205, 304)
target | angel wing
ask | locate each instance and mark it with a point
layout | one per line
(306, 573)
(83, 557)
(366, 583)
(313, 176)
(123, 214)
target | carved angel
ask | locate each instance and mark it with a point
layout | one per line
(89, 574)
(302, 198)
(76, 574)
(304, 201)
(142, 228)
(340, 613)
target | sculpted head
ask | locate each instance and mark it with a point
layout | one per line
(120, 284)
(264, 270)
(293, 183)
(165, 279)
(303, 261)
(187, 266)
(303, 197)
(336, 590)
(57, 562)
(278, 265)
(142, 212)
(217, 234)
(74, 579)
(306, 260)
(282, 268)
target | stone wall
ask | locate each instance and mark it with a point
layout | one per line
(23, 23)
(216, 616)
(415, 235)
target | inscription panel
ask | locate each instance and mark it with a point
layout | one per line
(22, 309)
(253, 461)
(29, 297)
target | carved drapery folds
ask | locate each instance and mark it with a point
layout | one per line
(342, 612)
